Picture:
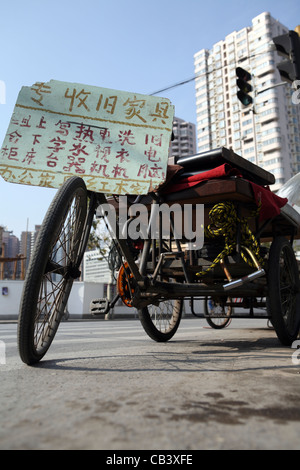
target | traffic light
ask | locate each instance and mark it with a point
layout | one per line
(288, 46)
(244, 86)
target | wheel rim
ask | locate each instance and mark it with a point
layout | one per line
(165, 315)
(58, 277)
(216, 313)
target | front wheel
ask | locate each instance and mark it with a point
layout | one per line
(161, 321)
(283, 301)
(53, 266)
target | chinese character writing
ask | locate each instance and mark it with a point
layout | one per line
(126, 137)
(105, 134)
(25, 121)
(7, 174)
(40, 89)
(151, 172)
(42, 121)
(119, 172)
(154, 139)
(103, 153)
(29, 157)
(81, 97)
(136, 188)
(58, 144)
(84, 133)
(77, 149)
(10, 153)
(100, 169)
(109, 104)
(35, 139)
(25, 177)
(76, 163)
(122, 155)
(161, 111)
(14, 137)
(46, 179)
(63, 127)
(134, 108)
(151, 155)
(121, 187)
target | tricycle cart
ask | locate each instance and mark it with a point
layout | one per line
(247, 252)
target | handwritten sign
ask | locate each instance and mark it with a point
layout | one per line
(118, 142)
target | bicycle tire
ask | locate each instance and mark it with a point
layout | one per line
(53, 264)
(283, 301)
(159, 324)
(215, 320)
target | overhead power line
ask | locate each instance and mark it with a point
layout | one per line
(183, 82)
(175, 85)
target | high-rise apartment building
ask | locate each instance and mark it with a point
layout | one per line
(266, 133)
(184, 139)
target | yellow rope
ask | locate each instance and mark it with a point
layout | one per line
(224, 223)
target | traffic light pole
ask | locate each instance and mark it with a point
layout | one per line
(270, 87)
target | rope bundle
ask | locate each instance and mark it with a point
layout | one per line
(225, 223)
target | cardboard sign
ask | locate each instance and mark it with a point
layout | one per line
(118, 142)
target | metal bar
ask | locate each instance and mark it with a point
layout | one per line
(178, 245)
(176, 289)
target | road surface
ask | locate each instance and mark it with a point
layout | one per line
(107, 385)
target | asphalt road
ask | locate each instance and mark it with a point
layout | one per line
(106, 385)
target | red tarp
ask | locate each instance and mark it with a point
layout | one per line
(271, 203)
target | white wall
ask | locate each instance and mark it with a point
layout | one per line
(9, 304)
(78, 304)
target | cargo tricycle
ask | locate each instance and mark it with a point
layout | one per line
(246, 252)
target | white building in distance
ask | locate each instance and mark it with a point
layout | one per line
(95, 269)
(184, 141)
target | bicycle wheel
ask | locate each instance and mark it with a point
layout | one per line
(283, 302)
(161, 321)
(217, 315)
(53, 266)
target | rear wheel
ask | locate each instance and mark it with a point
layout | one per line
(53, 267)
(283, 302)
(217, 314)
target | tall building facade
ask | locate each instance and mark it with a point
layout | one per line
(11, 249)
(265, 133)
(95, 269)
(26, 246)
(184, 139)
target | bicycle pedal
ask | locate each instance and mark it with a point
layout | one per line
(99, 306)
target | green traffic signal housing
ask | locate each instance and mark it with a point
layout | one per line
(288, 46)
(244, 86)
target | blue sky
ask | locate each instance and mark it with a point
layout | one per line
(131, 45)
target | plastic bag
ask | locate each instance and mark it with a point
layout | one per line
(291, 190)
